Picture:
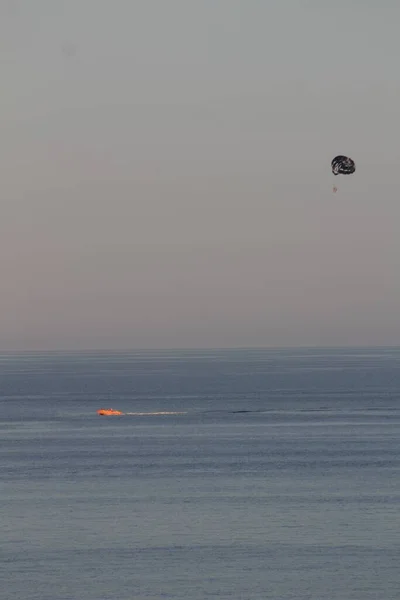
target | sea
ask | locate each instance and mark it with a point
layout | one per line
(275, 474)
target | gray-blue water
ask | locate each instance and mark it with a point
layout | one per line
(281, 480)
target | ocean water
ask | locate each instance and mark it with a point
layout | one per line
(281, 479)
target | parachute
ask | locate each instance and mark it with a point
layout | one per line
(342, 165)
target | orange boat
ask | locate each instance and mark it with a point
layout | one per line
(108, 412)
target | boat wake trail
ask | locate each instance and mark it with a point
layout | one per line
(154, 414)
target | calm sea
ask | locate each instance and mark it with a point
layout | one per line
(281, 479)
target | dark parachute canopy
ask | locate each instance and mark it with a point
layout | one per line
(343, 165)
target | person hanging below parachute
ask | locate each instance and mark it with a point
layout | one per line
(342, 165)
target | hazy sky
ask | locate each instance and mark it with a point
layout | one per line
(165, 173)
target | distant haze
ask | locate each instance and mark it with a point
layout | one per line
(165, 173)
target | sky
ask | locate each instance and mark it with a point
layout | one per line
(165, 173)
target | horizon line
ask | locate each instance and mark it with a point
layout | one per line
(116, 350)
